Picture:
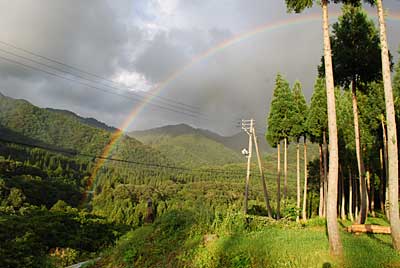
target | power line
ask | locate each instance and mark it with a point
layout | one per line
(136, 96)
(96, 88)
(91, 74)
(77, 153)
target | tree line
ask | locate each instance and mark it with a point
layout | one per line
(355, 56)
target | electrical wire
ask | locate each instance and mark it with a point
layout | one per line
(96, 88)
(90, 73)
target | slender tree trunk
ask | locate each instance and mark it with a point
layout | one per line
(342, 195)
(331, 212)
(350, 196)
(285, 173)
(356, 194)
(385, 162)
(360, 162)
(298, 180)
(326, 171)
(382, 184)
(321, 184)
(278, 183)
(372, 191)
(368, 184)
(304, 214)
(393, 177)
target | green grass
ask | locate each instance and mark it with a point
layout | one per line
(238, 242)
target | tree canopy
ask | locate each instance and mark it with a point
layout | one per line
(279, 122)
(353, 37)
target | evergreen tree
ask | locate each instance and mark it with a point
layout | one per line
(354, 36)
(279, 123)
(317, 127)
(298, 130)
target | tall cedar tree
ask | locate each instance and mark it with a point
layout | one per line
(391, 130)
(332, 224)
(372, 111)
(393, 169)
(317, 126)
(299, 130)
(354, 36)
(279, 122)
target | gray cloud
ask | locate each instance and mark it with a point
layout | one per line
(154, 39)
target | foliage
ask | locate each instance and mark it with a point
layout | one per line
(317, 118)
(279, 121)
(300, 108)
(27, 236)
(353, 37)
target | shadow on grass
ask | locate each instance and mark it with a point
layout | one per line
(381, 241)
(367, 250)
(161, 244)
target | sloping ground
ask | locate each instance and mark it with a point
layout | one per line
(66, 130)
(179, 240)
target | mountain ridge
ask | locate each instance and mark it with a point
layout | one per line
(234, 142)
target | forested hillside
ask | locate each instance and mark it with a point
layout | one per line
(66, 130)
(189, 146)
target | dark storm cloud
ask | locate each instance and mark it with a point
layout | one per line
(153, 39)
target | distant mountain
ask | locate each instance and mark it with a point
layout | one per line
(195, 146)
(23, 122)
(88, 121)
(235, 142)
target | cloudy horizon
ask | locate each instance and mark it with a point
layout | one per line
(119, 50)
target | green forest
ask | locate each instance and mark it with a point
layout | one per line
(163, 199)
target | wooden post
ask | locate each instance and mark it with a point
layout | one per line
(268, 207)
(150, 214)
(246, 193)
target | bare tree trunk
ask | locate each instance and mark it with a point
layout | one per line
(382, 183)
(372, 194)
(304, 214)
(360, 162)
(325, 150)
(350, 196)
(393, 177)
(342, 196)
(278, 183)
(331, 213)
(385, 162)
(285, 173)
(321, 184)
(298, 180)
(356, 194)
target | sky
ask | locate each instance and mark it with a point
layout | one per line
(101, 58)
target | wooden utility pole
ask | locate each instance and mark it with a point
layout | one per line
(249, 127)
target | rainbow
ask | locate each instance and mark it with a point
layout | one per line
(293, 20)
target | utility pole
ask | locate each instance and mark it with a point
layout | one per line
(249, 127)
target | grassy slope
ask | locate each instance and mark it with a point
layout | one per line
(176, 241)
